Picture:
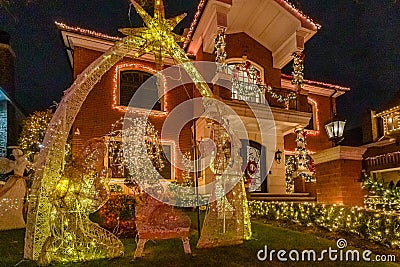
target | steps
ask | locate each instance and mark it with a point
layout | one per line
(294, 197)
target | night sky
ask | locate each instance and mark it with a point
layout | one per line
(358, 46)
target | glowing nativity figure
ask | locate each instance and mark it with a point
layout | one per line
(82, 189)
(12, 194)
(156, 220)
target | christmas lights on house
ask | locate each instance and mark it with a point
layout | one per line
(144, 68)
(298, 70)
(87, 32)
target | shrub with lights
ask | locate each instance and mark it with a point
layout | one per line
(33, 131)
(381, 196)
(381, 227)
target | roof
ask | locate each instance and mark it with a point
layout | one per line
(320, 84)
(4, 95)
(306, 21)
(76, 36)
(86, 32)
(393, 105)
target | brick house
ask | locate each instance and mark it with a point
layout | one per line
(264, 35)
(10, 115)
(381, 140)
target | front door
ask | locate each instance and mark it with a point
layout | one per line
(254, 165)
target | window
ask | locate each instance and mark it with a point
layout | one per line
(167, 172)
(393, 122)
(246, 78)
(129, 83)
(116, 164)
(310, 125)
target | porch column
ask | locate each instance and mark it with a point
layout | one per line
(338, 172)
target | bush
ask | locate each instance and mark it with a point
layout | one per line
(382, 227)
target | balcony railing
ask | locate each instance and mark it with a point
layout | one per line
(386, 161)
(251, 92)
(273, 102)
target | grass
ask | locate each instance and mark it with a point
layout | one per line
(170, 252)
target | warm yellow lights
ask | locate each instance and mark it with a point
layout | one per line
(157, 35)
(58, 227)
(316, 131)
(377, 226)
(391, 120)
(33, 130)
(141, 67)
(87, 32)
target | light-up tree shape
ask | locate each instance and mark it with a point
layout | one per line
(157, 38)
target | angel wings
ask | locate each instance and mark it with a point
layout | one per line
(18, 165)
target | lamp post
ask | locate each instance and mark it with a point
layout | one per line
(278, 156)
(335, 128)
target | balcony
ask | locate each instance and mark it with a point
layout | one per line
(382, 162)
(293, 104)
(250, 92)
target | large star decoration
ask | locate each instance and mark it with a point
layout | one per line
(158, 36)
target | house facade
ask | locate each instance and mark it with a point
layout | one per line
(258, 37)
(10, 115)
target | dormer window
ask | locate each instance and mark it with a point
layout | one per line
(391, 121)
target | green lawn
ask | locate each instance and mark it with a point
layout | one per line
(170, 252)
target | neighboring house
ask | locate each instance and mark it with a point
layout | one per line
(266, 34)
(10, 115)
(382, 139)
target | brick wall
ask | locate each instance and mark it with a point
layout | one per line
(97, 113)
(238, 44)
(7, 70)
(338, 182)
(319, 141)
(338, 171)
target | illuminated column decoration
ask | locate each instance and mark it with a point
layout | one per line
(298, 70)
(301, 153)
(302, 158)
(157, 37)
(220, 53)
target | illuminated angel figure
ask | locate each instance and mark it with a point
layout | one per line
(12, 194)
(18, 165)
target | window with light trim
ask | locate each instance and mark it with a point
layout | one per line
(130, 81)
(115, 161)
(245, 77)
